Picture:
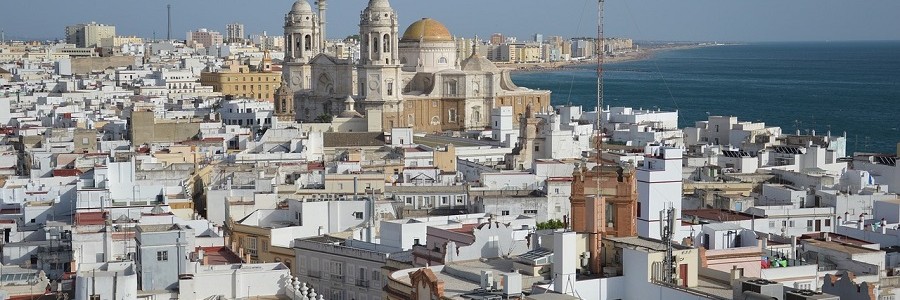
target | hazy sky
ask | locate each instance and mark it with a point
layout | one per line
(683, 20)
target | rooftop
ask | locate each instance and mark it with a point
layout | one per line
(219, 256)
(718, 215)
(645, 243)
(839, 246)
(159, 227)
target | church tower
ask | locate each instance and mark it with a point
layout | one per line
(379, 68)
(301, 44)
(284, 103)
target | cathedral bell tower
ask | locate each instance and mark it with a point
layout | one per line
(379, 68)
(301, 44)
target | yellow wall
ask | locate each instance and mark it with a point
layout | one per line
(254, 85)
(265, 252)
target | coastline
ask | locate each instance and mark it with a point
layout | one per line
(624, 57)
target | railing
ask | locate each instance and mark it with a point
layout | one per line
(362, 283)
(337, 278)
(314, 273)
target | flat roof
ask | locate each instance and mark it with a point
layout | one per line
(835, 237)
(721, 215)
(838, 246)
(646, 243)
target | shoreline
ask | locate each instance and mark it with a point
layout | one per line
(642, 54)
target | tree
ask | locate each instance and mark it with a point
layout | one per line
(551, 224)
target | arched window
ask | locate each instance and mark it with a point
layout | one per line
(375, 43)
(476, 114)
(307, 42)
(435, 120)
(442, 60)
(387, 43)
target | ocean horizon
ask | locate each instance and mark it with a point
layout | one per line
(805, 86)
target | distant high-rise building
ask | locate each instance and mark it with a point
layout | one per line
(497, 39)
(234, 33)
(204, 37)
(88, 35)
(538, 38)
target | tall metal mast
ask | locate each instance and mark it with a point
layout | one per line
(169, 22)
(600, 54)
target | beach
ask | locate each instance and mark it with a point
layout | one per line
(640, 54)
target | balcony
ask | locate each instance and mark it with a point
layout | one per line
(314, 273)
(362, 283)
(337, 278)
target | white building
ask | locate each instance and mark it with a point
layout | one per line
(502, 126)
(659, 187)
(256, 115)
(106, 281)
(239, 281)
(343, 269)
(641, 127)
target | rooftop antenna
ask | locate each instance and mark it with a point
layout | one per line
(169, 17)
(667, 232)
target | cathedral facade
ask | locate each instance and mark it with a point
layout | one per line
(415, 80)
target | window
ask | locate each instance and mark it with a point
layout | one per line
(376, 275)
(409, 200)
(358, 215)
(504, 213)
(442, 60)
(459, 199)
(375, 43)
(390, 88)
(537, 148)
(299, 219)
(162, 255)
(827, 222)
(387, 43)
(530, 211)
(337, 268)
(250, 245)
(451, 115)
(445, 200)
(416, 242)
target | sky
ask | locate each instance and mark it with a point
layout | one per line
(648, 20)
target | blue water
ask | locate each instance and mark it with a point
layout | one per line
(846, 86)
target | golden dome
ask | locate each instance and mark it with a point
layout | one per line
(428, 30)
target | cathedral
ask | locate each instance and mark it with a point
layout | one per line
(415, 80)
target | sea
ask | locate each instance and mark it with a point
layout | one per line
(851, 87)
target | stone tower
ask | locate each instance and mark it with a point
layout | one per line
(379, 68)
(301, 44)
